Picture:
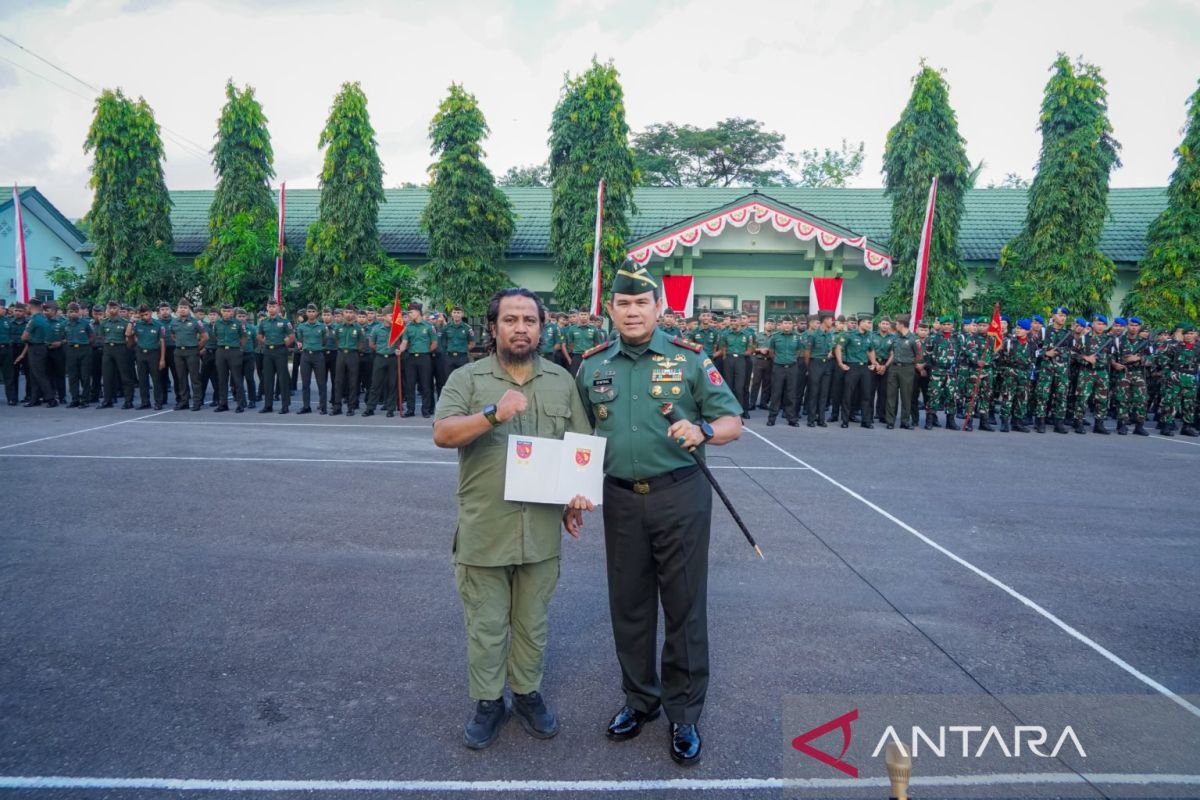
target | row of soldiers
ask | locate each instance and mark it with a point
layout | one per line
(116, 351)
(1043, 374)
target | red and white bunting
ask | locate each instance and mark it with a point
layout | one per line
(22, 279)
(921, 273)
(279, 252)
(597, 286)
(754, 211)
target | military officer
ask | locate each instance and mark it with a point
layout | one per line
(506, 554)
(96, 362)
(275, 335)
(855, 357)
(760, 373)
(350, 342)
(706, 335)
(7, 373)
(1130, 359)
(901, 373)
(1090, 353)
(419, 342)
(737, 346)
(548, 345)
(150, 353)
(455, 340)
(229, 333)
(311, 336)
(1050, 393)
(116, 362)
(37, 335)
(78, 349)
(190, 337)
(819, 344)
(56, 356)
(383, 381)
(249, 362)
(657, 507)
(783, 349)
(332, 322)
(366, 359)
(1014, 360)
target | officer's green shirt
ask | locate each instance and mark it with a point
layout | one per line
(670, 330)
(112, 330)
(855, 347)
(39, 329)
(349, 336)
(228, 334)
(706, 338)
(58, 329)
(579, 338)
(904, 348)
(738, 342)
(378, 339)
(881, 343)
(456, 337)
(312, 335)
(623, 389)
(147, 335)
(786, 346)
(493, 532)
(79, 331)
(550, 339)
(251, 337)
(819, 343)
(331, 336)
(186, 331)
(274, 330)
(5, 329)
(420, 337)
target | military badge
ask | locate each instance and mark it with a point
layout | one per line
(583, 456)
(524, 450)
(714, 377)
(656, 391)
(676, 391)
(602, 411)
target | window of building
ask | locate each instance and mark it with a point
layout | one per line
(45, 295)
(778, 306)
(717, 303)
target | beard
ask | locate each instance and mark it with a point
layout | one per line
(514, 358)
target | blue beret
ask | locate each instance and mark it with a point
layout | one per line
(968, 321)
(1100, 318)
(1004, 318)
(1119, 321)
(1135, 320)
(1061, 310)
(1039, 318)
(1024, 324)
(1081, 321)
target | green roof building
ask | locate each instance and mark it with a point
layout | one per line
(745, 250)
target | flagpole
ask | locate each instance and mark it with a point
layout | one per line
(279, 251)
(921, 272)
(22, 270)
(596, 287)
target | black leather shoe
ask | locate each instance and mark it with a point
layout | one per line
(143, 407)
(239, 409)
(891, 426)
(868, 425)
(305, 410)
(336, 411)
(31, 404)
(537, 720)
(322, 412)
(391, 414)
(265, 410)
(283, 410)
(628, 723)
(220, 408)
(128, 406)
(794, 423)
(408, 414)
(349, 412)
(368, 413)
(811, 424)
(483, 728)
(845, 424)
(770, 422)
(54, 404)
(685, 744)
(821, 424)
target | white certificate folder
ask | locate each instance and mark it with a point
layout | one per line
(554, 470)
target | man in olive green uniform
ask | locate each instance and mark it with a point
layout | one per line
(230, 336)
(116, 359)
(901, 373)
(78, 348)
(311, 336)
(738, 346)
(56, 356)
(249, 363)
(190, 337)
(506, 554)
(7, 373)
(419, 342)
(350, 341)
(819, 343)
(275, 335)
(855, 357)
(383, 381)
(96, 362)
(579, 339)
(366, 359)
(783, 351)
(548, 346)
(657, 507)
(332, 322)
(208, 357)
(37, 336)
(150, 354)
(456, 339)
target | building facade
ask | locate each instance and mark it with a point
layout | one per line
(51, 240)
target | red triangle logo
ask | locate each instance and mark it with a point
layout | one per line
(801, 742)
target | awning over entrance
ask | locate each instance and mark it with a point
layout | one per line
(755, 210)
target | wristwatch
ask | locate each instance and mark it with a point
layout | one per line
(489, 411)
(706, 429)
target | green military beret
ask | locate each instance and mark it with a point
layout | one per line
(865, 315)
(633, 282)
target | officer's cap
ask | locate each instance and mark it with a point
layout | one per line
(863, 315)
(183, 301)
(824, 313)
(97, 307)
(841, 317)
(968, 321)
(946, 319)
(636, 281)
(52, 305)
(1100, 318)
(1187, 327)
(1024, 324)
(311, 307)
(227, 306)
(1061, 310)
(1004, 318)
(413, 306)
(1120, 321)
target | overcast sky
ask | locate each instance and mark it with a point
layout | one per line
(817, 72)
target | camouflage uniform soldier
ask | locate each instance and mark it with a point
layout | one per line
(1053, 379)
(1015, 361)
(970, 351)
(1090, 354)
(1130, 357)
(1179, 383)
(942, 358)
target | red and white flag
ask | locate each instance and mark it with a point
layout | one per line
(22, 280)
(279, 252)
(596, 285)
(680, 293)
(825, 295)
(922, 270)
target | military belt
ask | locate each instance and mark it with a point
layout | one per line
(734, 355)
(348, 349)
(76, 345)
(149, 349)
(273, 346)
(659, 482)
(456, 354)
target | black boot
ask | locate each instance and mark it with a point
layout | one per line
(1121, 429)
(949, 420)
(928, 420)
(985, 424)
(484, 727)
(1004, 427)
(537, 720)
(1040, 425)
(1167, 428)
(1140, 429)
(1099, 427)
(1019, 426)
(1079, 428)
(1188, 430)
(1060, 426)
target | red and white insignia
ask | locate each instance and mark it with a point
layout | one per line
(714, 377)
(583, 456)
(524, 449)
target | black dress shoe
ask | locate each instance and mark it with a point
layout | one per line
(845, 424)
(239, 409)
(104, 405)
(822, 424)
(890, 426)
(408, 414)
(483, 728)
(628, 723)
(685, 744)
(143, 407)
(867, 425)
(349, 412)
(31, 404)
(368, 413)
(336, 412)
(54, 404)
(811, 424)
(770, 423)
(265, 410)
(322, 412)
(158, 406)
(180, 407)
(391, 414)
(128, 406)
(305, 410)
(283, 410)
(219, 409)
(537, 720)
(426, 416)
(795, 423)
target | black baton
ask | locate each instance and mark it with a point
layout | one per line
(668, 411)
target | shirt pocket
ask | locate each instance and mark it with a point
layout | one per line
(553, 418)
(602, 399)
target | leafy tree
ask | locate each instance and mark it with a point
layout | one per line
(734, 152)
(589, 140)
(238, 264)
(380, 282)
(1168, 285)
(526, 175)
(344, 240)
(73, 285)
(1055, 258)
(925, 142)
(829, 168)
(1011, 180)
(130, 213)
(469, 221)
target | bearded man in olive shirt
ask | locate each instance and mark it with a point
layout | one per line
(506, 554)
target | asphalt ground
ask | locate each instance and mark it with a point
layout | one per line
(208, 598)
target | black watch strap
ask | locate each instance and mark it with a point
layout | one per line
(489, 411)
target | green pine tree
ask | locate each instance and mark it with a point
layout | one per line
(1055, 259)
(1168, 284)
(589, 140)
(131, 210)
(344, 240)
(924, 143)
(469, 221)
(238, 264)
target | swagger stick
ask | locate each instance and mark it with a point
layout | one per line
(668, 411)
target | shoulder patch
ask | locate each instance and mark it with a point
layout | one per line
(695, 348)
(599, 347)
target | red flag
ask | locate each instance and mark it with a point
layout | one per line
(922, 270)
(279, 252)
(22, 281)
(994, 331)
(596, 287)
(397, 321)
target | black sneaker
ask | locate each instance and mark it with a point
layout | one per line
(483, 728)
(537, 720)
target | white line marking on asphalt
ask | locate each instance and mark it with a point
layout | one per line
(87, 430)
(1173, 440)
(674, 784)
(1115, 659)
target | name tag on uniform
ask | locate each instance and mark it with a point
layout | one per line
(599, 383)
(666, 375)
